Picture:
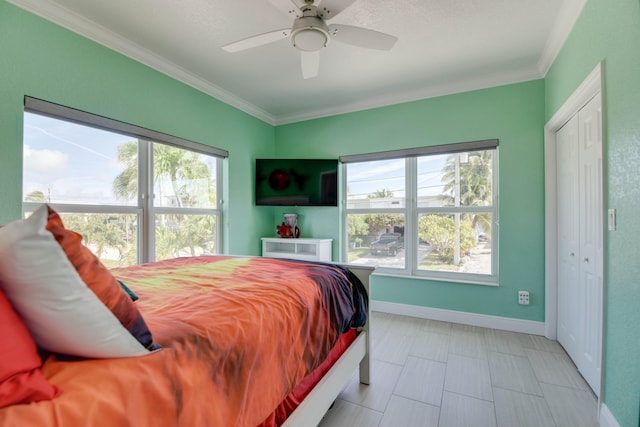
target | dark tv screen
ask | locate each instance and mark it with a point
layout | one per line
(296, 182)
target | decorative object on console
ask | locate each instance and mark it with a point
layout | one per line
(291, 220)
(284, 231)
(289, 227)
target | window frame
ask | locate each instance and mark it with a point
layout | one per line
(145, 209)
(412, 211)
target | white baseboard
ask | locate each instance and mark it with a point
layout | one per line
(482, 320)
(606, 417)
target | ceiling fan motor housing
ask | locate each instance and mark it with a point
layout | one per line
(309, 33)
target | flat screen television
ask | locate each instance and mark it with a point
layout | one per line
(296, 182)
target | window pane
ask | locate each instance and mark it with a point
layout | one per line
(182, 178)
(184, 235)
(431, 184)
(376, 240)
(461, 179)
(69, 163)
(455, 242)
(376, 185)
(113, 238)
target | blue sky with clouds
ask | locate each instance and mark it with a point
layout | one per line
(368, 177)
(70, 162)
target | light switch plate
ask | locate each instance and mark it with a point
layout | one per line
(611, 219)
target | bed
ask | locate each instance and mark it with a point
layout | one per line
(210, 341)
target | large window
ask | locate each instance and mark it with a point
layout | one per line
(425, 212)
(134, 195)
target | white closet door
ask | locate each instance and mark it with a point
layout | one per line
(568, 236)
(591, 236)
(580, 234)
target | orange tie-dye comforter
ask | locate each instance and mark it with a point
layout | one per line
(237, 334)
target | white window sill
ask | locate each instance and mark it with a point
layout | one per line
(489, 282)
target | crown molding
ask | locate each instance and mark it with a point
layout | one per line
(92, 31)
(566, 19)
(484, 82)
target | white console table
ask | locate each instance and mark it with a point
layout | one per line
(303, 249)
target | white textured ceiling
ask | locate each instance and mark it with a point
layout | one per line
(444, 46)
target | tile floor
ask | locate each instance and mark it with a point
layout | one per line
(430, 373)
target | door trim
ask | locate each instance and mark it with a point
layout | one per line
(587, 90)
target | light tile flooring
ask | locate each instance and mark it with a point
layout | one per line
(430, 373)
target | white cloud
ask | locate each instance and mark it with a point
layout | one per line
(51, 163)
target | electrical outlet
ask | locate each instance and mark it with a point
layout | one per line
(523, 297)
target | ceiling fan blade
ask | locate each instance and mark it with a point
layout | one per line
(310, 64)
(330, 8)
(361, 37)
(288, 7)
(256, 41)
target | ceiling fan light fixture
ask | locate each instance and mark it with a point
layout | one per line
(309, 39)
(309, 34)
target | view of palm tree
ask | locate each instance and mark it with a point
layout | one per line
(450, 236)
(182, 179)
(467, 182)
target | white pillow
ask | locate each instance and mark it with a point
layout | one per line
(61, 312)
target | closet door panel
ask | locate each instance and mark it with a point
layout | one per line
(568, 237)
(591, 237)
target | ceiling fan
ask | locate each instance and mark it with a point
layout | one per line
(309, 32)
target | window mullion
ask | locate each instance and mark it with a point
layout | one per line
(344, 256)
(495, 212)
(219, 206)
(456, 252)
(411, 220)
(146, 249)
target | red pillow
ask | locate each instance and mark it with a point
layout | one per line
(20, 379)
(100, 280)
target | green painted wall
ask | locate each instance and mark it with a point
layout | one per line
(611, 33)
(515, 115)
(43, 60)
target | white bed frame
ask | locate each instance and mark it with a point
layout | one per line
(313, 408)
